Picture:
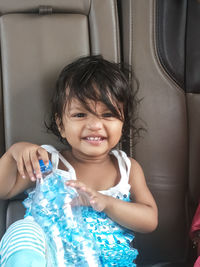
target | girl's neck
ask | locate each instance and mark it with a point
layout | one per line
(100, 173)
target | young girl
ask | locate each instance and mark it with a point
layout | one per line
(92, 109)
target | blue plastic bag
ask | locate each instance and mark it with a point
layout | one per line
(55, 207)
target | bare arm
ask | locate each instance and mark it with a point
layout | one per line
(139, 215)
(19, 168)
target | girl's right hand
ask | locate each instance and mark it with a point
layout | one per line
(27, 157)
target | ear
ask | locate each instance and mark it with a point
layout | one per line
(60, 126)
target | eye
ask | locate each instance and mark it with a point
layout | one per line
(108, 115)
(79, 115)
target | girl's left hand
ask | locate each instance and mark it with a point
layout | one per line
(88, 196)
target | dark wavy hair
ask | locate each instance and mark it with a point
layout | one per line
(97, 79)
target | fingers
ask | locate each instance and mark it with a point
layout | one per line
(28, 165)
(85, 193)
(20, 167)
(81, 187)
(42, 154)
(34, 168)
(28, 161)
(88, 196)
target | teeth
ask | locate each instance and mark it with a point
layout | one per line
(94, 138)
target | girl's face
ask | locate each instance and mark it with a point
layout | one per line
(90, 135)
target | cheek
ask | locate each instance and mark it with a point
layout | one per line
(120, 125)
(70, 130)
(117, 129)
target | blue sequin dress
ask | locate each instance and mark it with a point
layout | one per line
(113, 240)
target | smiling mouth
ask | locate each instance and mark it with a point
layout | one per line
(94, 138)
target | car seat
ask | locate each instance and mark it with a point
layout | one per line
(38, 38)
(161, 41)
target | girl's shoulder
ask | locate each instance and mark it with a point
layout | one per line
(135, 166)
(124, 161)
(131, 166)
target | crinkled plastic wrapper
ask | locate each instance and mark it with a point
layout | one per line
(55, 207)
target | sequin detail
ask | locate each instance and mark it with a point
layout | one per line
(113, 240)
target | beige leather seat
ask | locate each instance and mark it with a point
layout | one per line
(161, 41)
(38, 38)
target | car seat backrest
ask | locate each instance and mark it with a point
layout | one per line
(161, 42)
(38, 38)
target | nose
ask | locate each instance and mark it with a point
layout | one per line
(94, 123)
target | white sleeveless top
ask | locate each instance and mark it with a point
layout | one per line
(121, 190)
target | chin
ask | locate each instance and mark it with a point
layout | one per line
(94, 152)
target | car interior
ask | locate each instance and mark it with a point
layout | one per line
(160, 40)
